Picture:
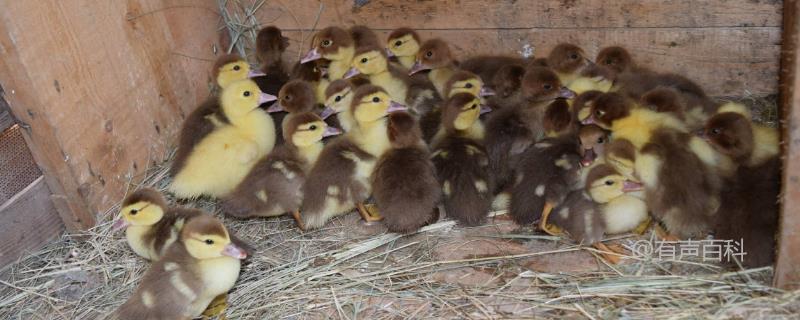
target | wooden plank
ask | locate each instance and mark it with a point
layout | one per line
(726, 62)
(523, 14)
(787, 272)
(27, 222)
(109, 104)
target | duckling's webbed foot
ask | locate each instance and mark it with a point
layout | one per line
(298, 220)
(550, 229)
(665, 235)
(610, 253)
(217, 308)
(642, 227)
(369, 213)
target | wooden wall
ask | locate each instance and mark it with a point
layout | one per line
(103, 86)
(730, 46)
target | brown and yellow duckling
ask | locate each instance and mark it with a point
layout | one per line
(274, 185)
(335, 45)
(295, 97)
(371, 61)
(435, 55)
(339, 180)
(568, 61)
(593, 141)
(203, 264)
(461, 161)
(338, 98)
(404, 182)
(403, 43)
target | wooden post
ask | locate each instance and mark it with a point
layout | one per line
(787, 267)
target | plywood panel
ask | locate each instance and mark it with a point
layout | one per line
(727, 62)
(524, 14)
(104, 86)
(27, 221)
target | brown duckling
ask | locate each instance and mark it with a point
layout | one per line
(669, 100)
(486, 66)
(568, 61)
(510, 130)
(558, 120)
(270, 46)
(404, 43)
(435, 55)
(461, 161)
(749, 198)
(315, 73)
(295, 97)
(581, 105)
(506, 85)
(203, 264)
(593, 140)
(274, 185)
(404, 182)
(339, 180)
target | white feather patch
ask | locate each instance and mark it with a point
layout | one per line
(540, 190)
(147, 299)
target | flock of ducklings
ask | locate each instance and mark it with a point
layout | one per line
(574, 146)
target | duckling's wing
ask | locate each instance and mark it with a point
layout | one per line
(197, 126)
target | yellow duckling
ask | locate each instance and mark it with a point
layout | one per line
(203, 265)
(340, 180)
(151, 226)
(223, 158)
(621, 211)
(403, 43)
(372, 62)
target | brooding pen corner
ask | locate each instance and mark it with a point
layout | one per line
(427, 159)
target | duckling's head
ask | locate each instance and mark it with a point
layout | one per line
(607, 108)
(664, 100)
(241, 97)
(434, 53)
(730, 133)
(327, 43)
(567, 58)
(306, 129)
(541, 84)
(615, 58)
(621, 154)
(593, 140)
(372, 103)
(230, 68)
(461, 111)
(465, 81)
(507, 80)
(144, 207)
(403, 130)
(338, 97)
(582, 105)
(311, 72)
(269, 44)
(294, 97)
(205, 237)
(368, 60)
(538, 62)
(403, 42)
(604, 184)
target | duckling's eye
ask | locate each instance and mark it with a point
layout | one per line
(429, 54)
(134, 212)
(209, 241)
(600, 140)
(609, 61)
(288, 97)
(599, 112)
(364, 60)
(609, 182)
(376, 99)
(715, 131)
(236, 68)
(398, 43)
(246, 93)
(473, 106)
(547, 87)
(338, 98)
(312, 127)
(573, 56)
(326, 43)
(468, 86)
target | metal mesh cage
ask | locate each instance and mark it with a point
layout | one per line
(17, 167)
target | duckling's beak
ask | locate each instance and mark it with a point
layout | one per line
(255, 73)
(323, 72)
(417, 67)
(566, 93)
(485, 109)
(327, 112)
(630, 186)
(394, 107)
(331, 131)
(486, 92)
(588, 120)
(266, 97)
(588, 157)
(312, 55)
(276, 107)
(234, 251)
(120, 224)
(389, 53)
(351, 73)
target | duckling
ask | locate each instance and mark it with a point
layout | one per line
(558, 120)
(404, 43)
(295, 97)
(151, 226)
(339, 180)
(506, 85)
(593, 77)
(336, 45)
(568, 61)
(221, 160)
(749, 198)
(466, 81)
(581, 105)
(208, 116)
(616, 59)
(510, 130)
(338, 98)
(372, 62)
(669, 100)
(544, 175)
(461, 161)
(201, 266)
(273, 186)
(404, 182)
(621, 211)
(435, 55)
(593, 140)
(270, 46)
(315, 73)
(486, 66)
